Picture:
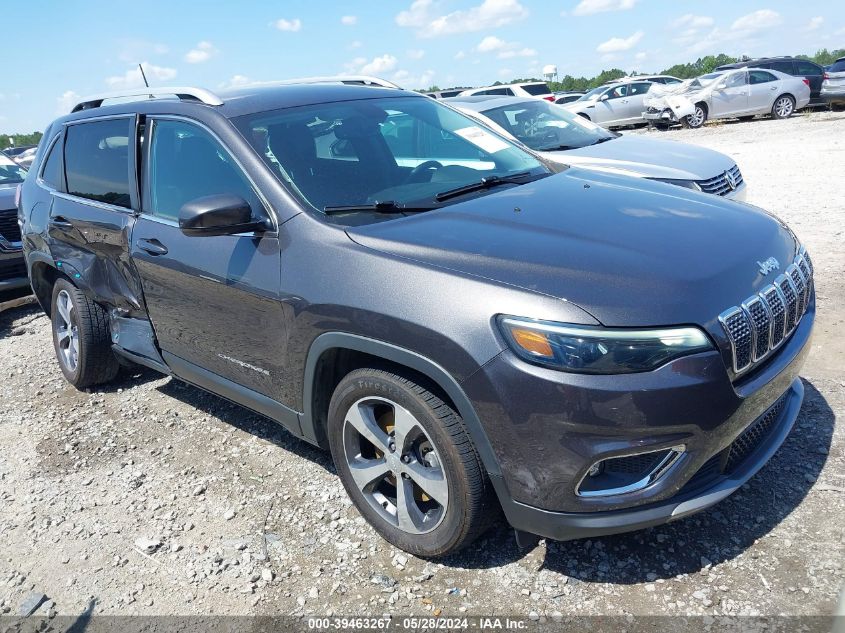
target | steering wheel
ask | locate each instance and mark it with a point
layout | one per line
(419, 169)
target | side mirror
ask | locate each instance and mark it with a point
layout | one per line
(220, 214)
(604, 97)
(722, 86)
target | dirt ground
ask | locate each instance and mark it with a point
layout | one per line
(152, 497)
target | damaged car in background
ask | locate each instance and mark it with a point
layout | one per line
(741, 93)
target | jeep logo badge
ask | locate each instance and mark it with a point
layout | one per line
(768, 266)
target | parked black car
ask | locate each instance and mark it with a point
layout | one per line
(791, 66)
(465, 329)
(12, 265)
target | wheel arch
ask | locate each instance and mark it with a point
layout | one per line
(43, 275)
(334, 354)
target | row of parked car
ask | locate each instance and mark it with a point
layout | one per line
(778, 86)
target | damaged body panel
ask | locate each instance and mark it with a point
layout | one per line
(744, 92)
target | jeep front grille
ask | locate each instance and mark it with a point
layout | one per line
(9, 228)
(722, 184)
(765, 320)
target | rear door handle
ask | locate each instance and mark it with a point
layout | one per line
(153, 246)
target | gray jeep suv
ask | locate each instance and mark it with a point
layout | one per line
(466, 328)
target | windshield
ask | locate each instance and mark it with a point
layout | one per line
(402, 150)
(10, 171)
(544, 126)
(595, 92)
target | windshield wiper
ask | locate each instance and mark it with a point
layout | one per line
(384, 206)
(603, 139)
(484, 183)
(558, 148)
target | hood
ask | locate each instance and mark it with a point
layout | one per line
(647, 158)
(631, 252)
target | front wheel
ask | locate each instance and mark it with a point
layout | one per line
(407, 463)
(697, 118)
(783, 107)
(81, 337)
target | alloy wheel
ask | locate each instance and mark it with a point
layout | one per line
(783, 107)
(696, 119)
(395, 465)
(67, 331)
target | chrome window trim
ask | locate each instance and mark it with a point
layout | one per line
(151, 118)
(92, 203)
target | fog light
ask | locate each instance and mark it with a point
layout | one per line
(627, 473)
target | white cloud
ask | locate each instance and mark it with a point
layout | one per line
(349, 20)
(589, 7)
(237, 81)
(293, 25)
(408, 80)
(460, 55)
(504, 50)
(814, 24)
(505, 72)
(690, 21)
(489, 14)
(490, 43)
(132, 78)
(618, 44)
(65, 102)
(416, 53)
(202, 53)
(757, 21)
(355, 44)
(376, 66)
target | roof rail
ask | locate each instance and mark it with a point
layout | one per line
(183, 92)
(361, 80)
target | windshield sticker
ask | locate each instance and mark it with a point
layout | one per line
(482, 139)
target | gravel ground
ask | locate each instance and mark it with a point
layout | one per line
(152, 497)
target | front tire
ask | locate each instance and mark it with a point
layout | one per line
(697, 118)
(407, 463)
(783, 108)
(81, 337)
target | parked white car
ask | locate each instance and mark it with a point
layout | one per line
(533, 89)
(558, 135)
(741, 93)
(613, 105)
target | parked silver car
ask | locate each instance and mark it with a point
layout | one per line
(614, 105)
(833, 85)
(559, 135)
(741, 93)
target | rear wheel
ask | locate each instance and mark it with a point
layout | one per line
(783, 107)
(81, 337)
(697, 118)
(407, 463)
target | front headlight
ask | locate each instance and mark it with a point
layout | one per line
(595, 350)
(686, 184)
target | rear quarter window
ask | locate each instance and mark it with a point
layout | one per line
(52, 172)
(838, 67)
(536, 89)
(97, 161)
(806, 68)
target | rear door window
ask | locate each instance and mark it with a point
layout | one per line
(97, 160)
(536, 89)
(760, 77)
(639, 88)
(807, 69)
(782, 66)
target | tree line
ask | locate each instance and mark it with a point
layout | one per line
(19, 139)
(701, 66)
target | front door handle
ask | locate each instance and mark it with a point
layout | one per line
(153, 246)
(60, 222)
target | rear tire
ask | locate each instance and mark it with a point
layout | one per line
(784, 107)
(81, 337)
(387, 432)
(697, 118)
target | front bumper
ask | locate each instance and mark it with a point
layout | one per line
(547, 428)
(13, 274)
